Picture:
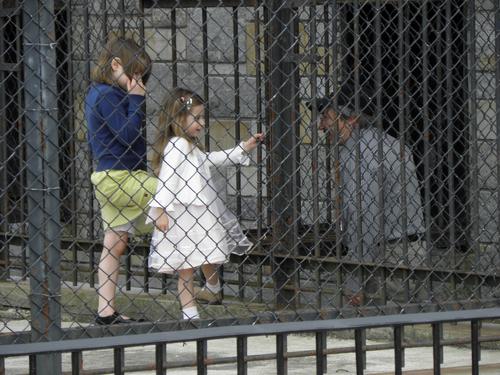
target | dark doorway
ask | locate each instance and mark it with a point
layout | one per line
(434, 83)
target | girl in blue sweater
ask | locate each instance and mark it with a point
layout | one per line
(114, 111)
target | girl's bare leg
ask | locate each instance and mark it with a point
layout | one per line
(210, 273)
(186, 288)
(115, 244)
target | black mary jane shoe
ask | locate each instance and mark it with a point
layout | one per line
(115, 318)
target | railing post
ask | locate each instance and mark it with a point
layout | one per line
(42, 155)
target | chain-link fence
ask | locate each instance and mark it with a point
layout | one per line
(374, 190)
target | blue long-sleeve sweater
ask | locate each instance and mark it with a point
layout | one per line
(114, 122)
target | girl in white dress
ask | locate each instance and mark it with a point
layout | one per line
(193, 226)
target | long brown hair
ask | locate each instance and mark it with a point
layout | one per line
(173, 112)
(133, 58)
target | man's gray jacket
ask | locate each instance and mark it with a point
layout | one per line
(361, 202)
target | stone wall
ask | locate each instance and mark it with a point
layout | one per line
(158, 36)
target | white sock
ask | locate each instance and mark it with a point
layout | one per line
(214, 288)
(190, 313)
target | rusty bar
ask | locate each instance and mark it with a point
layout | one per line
(313, 74)
(173, 40)
(201, 357)
(436, 347)
(427, 138)
(76, 362)
(161, 359)
(281, 354)
(119, 360)
(242, 352)
(260, 121)
(206, 89)
(44, 226)
(237, 136)
(282, 99)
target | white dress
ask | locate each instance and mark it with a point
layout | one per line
(201, 228)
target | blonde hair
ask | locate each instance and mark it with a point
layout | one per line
(133, 58)
(173, 112)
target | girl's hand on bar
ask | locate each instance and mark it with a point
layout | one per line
(253, 142)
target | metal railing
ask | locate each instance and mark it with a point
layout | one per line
(319, 328)
(320, 218)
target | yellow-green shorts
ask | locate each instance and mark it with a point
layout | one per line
(124, 197)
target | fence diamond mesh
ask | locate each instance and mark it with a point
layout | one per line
(323, 159)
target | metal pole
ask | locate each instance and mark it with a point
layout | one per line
(260, 121)
(315, 145)
(402, 106)
(427, 141)
(497, 99)
(44, 227)
(4, 197)
(282, 113)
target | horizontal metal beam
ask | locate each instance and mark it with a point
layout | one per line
(246, 330)
(197, 4)
(10, 67)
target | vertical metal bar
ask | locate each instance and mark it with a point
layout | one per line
(436, 347)
(90, 197)
(402, 110)
(237, 114)
(201, 356)
(474, 153)
(398, 350)
(427, 136)
(40, 90)
(161, 359)
(358, 342)
(76, 363)
(328, 160)
(104, 12)
(450, 144)
(321, 360)
(328, 85)
(497, 100)
(295, 150)
(32, 365)
(22, 151)
(173, 40)
(237, 135)
(121, 9)
(142, 38)
(381, 244)
(2, 366)
(72, 151)
(206, 90)
(241, 355)
(119, 361)
(437, 118)
(4, 196)
(260, 120)
(475, 346)
(313, 73)
(358, 156)
(281, 354)
(69, 113)
(267, 97)
(282, 120)
(337, 186)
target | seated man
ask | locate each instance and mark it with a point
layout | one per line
(360, 185)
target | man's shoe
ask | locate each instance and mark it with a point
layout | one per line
(115, 318)
(205, 296)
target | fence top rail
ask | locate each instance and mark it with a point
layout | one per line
(246, 330)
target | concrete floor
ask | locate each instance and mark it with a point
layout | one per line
(418, 361)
